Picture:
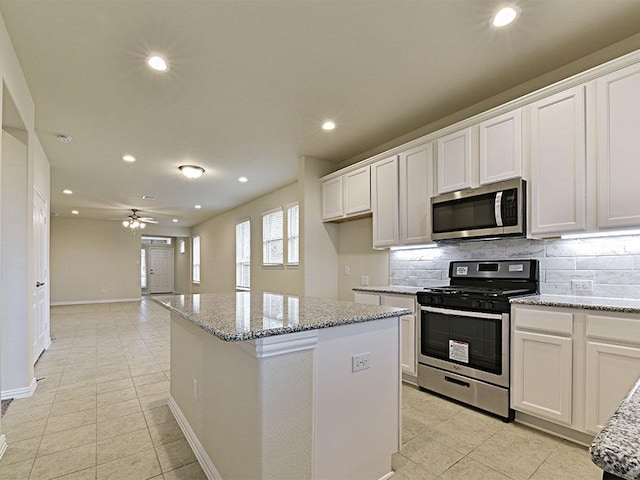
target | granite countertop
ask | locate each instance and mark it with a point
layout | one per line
(390, 289)
(616, 449)
(623, 305)
(247, 315)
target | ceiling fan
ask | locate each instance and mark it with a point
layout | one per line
(134, 221)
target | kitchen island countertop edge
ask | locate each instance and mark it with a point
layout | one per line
(241, 316)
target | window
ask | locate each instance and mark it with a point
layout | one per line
(243, 254)
(196, 259)
(156, 240)
(143, 268)
(272, 238)
(293, 234)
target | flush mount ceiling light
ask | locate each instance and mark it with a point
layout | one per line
(174, 220)
(329, 125)
(505, 16)
(191, 171)
(197, 207)
(157, 63)
(64, 138)
(243, 179)
(75, 212)
(129, 158)
(66, 191)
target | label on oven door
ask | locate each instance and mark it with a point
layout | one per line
(459, 351)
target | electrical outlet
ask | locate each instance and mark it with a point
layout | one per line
(360, 362)
(195, 389)
(582, 285)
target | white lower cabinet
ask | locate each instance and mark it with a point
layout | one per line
(572, 367)
(407, 328)
(542, 375)
(612, 364)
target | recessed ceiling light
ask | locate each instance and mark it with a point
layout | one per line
(157, 63)
(148, 197)
(198, 207)
(66, 191)
(505, 16)
(243, 179)
(129, 158)
(329, 125)
(191, 171)
(174, 220)
(64, 138)
(75, 212)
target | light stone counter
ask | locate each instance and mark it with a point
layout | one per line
(242, 316)
(393, 289)
(616, 449)
(622, 305)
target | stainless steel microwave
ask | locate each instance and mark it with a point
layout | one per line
(494, 210)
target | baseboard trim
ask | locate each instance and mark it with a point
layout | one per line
(203, 458)
(24, 392)
(3, 445)
(87, 302)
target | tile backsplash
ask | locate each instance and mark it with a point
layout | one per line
(611, 263)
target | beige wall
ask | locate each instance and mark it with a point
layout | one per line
(93, 261)
(355, 250)
(218, 246)
(182, 266)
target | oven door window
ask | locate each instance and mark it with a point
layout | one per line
(471, 341)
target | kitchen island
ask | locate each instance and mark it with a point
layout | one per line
(270, 386)
(616, 449)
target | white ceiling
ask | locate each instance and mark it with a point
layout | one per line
(251, 81)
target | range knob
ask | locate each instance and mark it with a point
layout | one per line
(476, 304)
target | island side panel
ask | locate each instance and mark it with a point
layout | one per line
(225, 416)
(287, 415)
(357, 413)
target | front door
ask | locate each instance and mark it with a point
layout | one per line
(160, 270)
(41, 312)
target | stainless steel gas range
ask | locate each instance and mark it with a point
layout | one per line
(464, 332)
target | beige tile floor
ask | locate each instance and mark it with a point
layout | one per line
(100, 412)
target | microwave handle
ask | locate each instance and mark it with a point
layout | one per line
(497, 208)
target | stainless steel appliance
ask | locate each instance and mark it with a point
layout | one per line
(494, 210)
(464, 331)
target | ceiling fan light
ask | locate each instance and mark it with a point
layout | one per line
(125, 223)
(142, 224)
(191, 171)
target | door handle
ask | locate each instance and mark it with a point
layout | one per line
(39, 284)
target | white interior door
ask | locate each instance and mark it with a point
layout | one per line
(41, 312)
(160, 270)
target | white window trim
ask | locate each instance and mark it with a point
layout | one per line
(276, 265)
(286, 228)
(242, 288)
(193, 251)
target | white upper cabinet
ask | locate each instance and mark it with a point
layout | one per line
(347, 195)
(332, 199)
(457, 160)
(501, 147)
(618, 117)
(385, 205)
(558, 163)
(416, 189)
(357, 191)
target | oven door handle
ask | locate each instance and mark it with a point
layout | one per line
(462, 313)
